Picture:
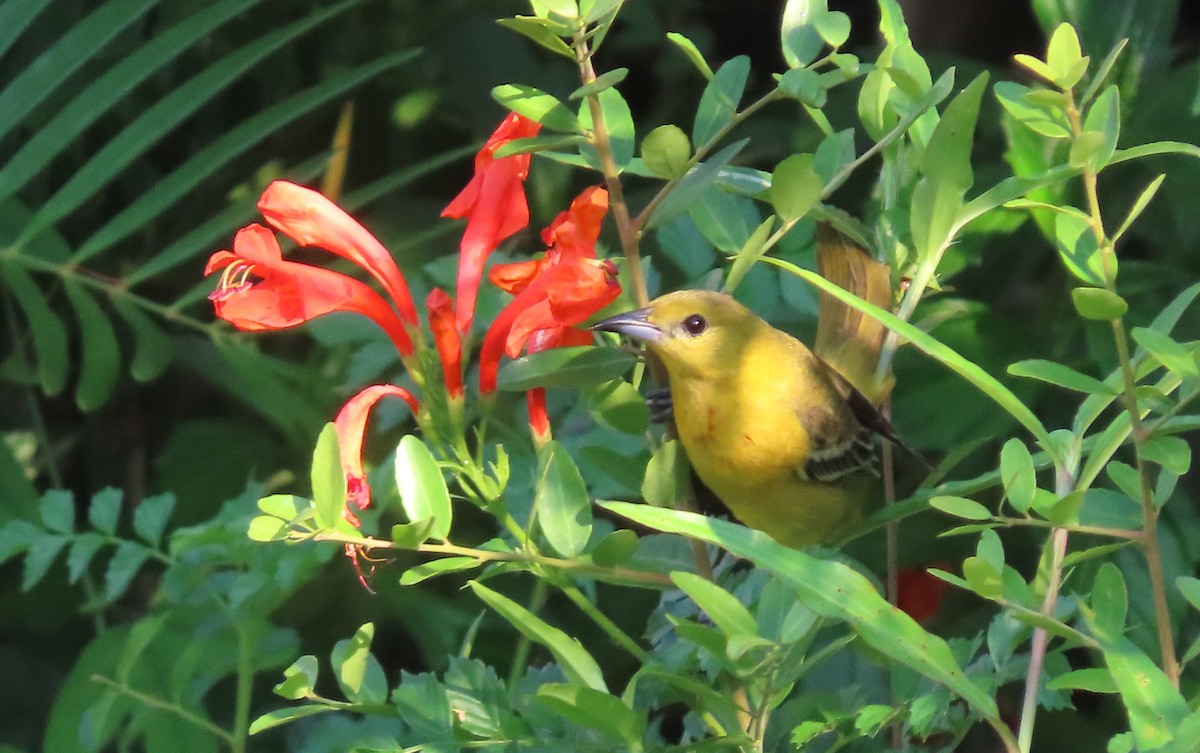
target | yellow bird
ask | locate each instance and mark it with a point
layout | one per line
(782, 436)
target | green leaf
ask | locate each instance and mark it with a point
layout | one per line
(283, 506)
(265, 528)
(422, 487)
(1063, 57)
(722, 607)
(719, 102)
(328, 479)
(537, 144)
(1093, 680)
(39, 556)
(152, 348)
(1154, 706)
(829, 588)
(806, 85)
(1172, 453)
(299, 680)
(1098, 304)
(617, 548)
(872, 718)
(359, 674)
(1017, 474)
(83, 549)
(798, 35)
(666, 151)
(982, 578)
(105, 509)
(1086, 150)
(57, 511)
(692, 52)
(1060, 376)
(1109, 600)
(596, 710)
(692, 185)
(575, 367)
(49, 334)
(536, 105)
(539, 31)
(661, 484)
(1042, 119)
(795, 187)
(101, 361)
(946, 171)
(1078, 247)
(412, 535)
(960, 507)
(162, 116)
(83, 39)
(833, 26)
(1104, 117)
(927, 344)
(102, 94)
(280, 717)
(1190, 588)
(618, 404)
(1177, 358)
(749, 253)
(618, 121)
(124, 565)
(561, 502)
(150, 517)
(1139, 206)
(578, 665)
(434, 568)
(602, 82)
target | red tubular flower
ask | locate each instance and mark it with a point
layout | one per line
(310, 219)
(260, 290)
(351, 426)
(495, 207)
(446, 339)
(555, 293)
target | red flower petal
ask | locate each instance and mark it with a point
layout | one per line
(574, 233)
(309, 218)
(919, 593)
(351, 426)
(494, 204)
(260, 290)
(515, 277)
(446, 339)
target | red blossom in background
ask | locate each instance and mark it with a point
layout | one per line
(495, 207)
(260, 290)
(309, 218)
(447, 340)
(919, 593)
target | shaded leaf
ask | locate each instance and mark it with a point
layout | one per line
(580, 366)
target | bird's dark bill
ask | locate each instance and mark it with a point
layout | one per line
(635, 324)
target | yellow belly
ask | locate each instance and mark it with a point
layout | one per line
(747, 444)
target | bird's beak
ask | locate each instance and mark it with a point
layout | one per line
(635, 324)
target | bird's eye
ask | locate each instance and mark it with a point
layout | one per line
(695, 324)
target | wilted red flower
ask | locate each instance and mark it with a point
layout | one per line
(310, 219)
(446, 339)
(495, 207)
(260, 290)
(351, 426)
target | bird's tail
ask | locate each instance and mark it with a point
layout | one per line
(847, 339)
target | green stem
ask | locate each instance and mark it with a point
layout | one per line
(245, 687)
(619, 636)
(167, 706)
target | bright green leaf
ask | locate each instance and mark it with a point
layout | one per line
(618, 122)
(960, 507)
(795, 187)
(722, 607)
(1110, 599)
(536, 105)
(1172, 453)
(666, 151)
(328, 480)
(596, 710)
(798, 35)
(299, 679)
(561, 502)
(423, 492)
(1060, 375)
(358, 672)
(1177, 358)
(692, 52)
(578, 665)
(1098, 304)
(434, 568)
(1017, 474)
(539, 31)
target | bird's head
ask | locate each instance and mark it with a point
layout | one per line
(692, 331)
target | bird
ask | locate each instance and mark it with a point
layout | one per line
(782, 436)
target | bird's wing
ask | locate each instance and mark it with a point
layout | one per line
(841, 441)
